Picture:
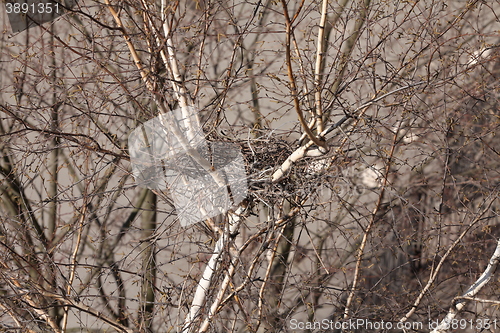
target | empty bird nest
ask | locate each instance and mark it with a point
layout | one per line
(263, 156)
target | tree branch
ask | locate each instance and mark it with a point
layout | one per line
(304, 150)
(435, 273)
(293, 87)
(460, 302)
(203, 288)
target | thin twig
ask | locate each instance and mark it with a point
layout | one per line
(312, 122)
(435, 273)
(460, 302)
(475, 299)
(203, 287)
(168, 122)
(82, 307)
(368, 229)
(222, 290)
(14, 318)
(304, 151)
(268, 274)
(320, 54)
(25, 294)
(349, 47)
(131, 47)
(170, 61)
(291, 77)
(72, 261)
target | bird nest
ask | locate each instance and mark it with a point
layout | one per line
(262, 157)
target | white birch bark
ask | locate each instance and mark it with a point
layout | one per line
(473, 290)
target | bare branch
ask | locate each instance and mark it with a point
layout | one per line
(203, 288)
(479, 283)
(293, 87)
(460, 302)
